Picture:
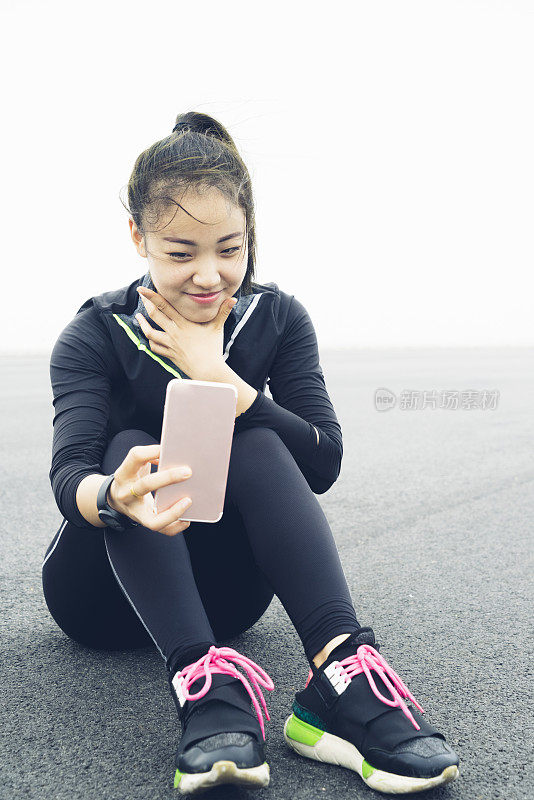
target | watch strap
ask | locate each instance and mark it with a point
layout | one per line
(103, 505)
(102, 496)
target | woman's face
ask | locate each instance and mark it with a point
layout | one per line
(203, 264)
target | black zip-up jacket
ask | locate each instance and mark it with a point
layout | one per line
(105, 379)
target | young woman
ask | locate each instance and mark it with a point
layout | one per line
(119, 575)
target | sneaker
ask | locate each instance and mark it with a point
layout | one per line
(343, 717)
(222, 738)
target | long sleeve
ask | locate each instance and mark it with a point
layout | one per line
(300, 409)
(80, 372)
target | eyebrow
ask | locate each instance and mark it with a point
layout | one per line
(194, 244)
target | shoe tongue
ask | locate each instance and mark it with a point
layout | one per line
(217, 679)
(349, 646)
(223, 687)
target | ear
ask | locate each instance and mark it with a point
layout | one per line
(137, 238)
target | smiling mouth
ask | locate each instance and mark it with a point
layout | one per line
(204, 294)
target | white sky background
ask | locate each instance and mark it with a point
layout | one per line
(390, 146)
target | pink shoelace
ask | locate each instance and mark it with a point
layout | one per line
(366, 659)
(215, 661)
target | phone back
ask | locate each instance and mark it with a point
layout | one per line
(198, 426)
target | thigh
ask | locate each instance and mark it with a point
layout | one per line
(80, 589)
(233, 589)
(82, 594)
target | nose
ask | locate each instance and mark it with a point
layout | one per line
(207, 279)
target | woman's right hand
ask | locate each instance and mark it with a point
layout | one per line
(135, 471)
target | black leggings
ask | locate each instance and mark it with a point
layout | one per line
(110, 589)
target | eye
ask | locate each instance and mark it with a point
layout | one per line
(229, 250)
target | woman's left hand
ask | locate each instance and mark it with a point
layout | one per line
(196, 348)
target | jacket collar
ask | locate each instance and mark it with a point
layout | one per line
(236, 320)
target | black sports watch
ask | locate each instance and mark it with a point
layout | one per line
(109, 516)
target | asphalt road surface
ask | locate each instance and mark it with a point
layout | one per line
(433, 516)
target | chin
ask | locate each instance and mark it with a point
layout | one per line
(201, 314)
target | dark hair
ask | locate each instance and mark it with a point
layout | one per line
(199, 153)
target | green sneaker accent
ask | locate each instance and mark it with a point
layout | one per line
(309, 716)
(177, 778)
(303, 732)
(367, 769)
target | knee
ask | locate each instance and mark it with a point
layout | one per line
(131, 437)
(255, 451)
(253, 439)
(119, 445)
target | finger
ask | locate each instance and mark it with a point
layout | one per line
(147, 467)
(224, 311)
(159, 309)
(149, 483)
(155, 314)
(160, 349)
(171, 515)
(177, 527)
(137, 456)
(159, 337)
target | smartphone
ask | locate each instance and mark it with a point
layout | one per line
(198, 427)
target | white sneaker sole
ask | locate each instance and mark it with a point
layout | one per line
(222, 772)
(312, 742)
